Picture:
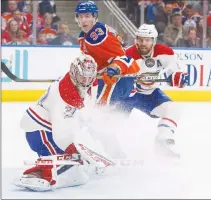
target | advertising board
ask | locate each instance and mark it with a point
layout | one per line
(31, 62)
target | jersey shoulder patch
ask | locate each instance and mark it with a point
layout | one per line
(97, 34)
(161, 49)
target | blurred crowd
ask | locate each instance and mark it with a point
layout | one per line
(180, 23)
(17, 24)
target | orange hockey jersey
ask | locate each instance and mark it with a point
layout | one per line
(104, 44)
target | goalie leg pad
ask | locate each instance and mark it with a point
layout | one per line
(76, 175)
(40, 178)
(50, 174)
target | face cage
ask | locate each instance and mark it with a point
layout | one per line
(76, 77)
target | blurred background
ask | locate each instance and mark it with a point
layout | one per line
(180, 23)
(40, 38)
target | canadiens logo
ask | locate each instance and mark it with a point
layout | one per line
(149, 62)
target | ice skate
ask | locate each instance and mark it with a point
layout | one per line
(166, 147)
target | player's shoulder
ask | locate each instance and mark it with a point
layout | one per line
(130, 49)
(132, 52)
(97, 34)
(161, 49)
(111, 30)
(100, 25)
(68, 91)
(81, 35)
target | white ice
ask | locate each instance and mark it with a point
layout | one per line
(191, 178)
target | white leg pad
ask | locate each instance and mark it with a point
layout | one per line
(73, 176)
(33, 183)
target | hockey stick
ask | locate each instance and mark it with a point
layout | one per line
(5, 69)
(145, 77)
(93, 157)
(50, 162)
(53, 160)
(120, 163)
(87, 154)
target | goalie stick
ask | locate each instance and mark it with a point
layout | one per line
(87, 154)
(144, 77)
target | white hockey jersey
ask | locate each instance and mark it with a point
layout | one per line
(162, 59)
(55, 112)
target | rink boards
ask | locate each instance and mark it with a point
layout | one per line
(34, 95)
(31, 62)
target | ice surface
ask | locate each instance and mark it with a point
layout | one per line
(191, 178)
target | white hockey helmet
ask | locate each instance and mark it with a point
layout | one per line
(147, 30)
(83, 71)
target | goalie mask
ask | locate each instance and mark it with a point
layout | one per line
(83, 71)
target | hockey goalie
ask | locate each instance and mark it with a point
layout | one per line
(62, 161)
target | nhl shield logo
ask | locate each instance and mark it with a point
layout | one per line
(149, 62)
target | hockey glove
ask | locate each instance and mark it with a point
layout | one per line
(178, 79)
(108, 76)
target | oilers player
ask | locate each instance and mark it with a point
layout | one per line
(103, 43)
(147, 96)
(100, 41)
(59, 106)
